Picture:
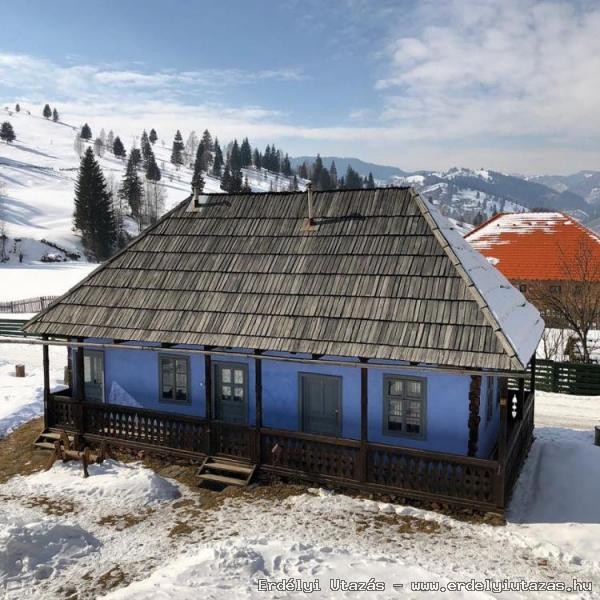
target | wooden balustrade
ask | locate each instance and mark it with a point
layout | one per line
(390, 469)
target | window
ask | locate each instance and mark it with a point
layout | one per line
(489, 399)
(93, 375)
(522, 287)
(404, 406)
(174, 380)
(230, 392)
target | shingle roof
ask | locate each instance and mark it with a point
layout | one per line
(380, 276)
(534, 246)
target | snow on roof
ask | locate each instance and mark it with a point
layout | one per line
(533, 245)
(511, 314)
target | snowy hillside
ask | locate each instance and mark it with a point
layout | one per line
(37, 178)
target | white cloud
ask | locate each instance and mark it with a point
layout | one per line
(499, 68)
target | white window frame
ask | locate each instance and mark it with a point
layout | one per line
(405, 399)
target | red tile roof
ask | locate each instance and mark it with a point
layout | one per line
(538, 246)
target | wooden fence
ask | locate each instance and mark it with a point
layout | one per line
(12, 327)
(29, 305)
(565, 378)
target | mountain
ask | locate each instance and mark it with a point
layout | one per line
(583, 183)
(381, 172)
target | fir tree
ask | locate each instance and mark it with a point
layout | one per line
(257, 158)
(118, 148)
(146, 148)
(286, 166)
(370, 182)
(98, 147)
(110, 140)
(177, 150)
(333, 176)
(135, 156)
(132, 190)
(207, 141)
(153, 136)
(303, 171)
(17, 107)
(324, 182)
(245, 153)
(315, 175)
(246, 189)
(235, 157)
(86, 132)
(47, 112)
(7, 133)
(267, 160)
(217, 160)
(199, 166)
(352, 180)
(226, 179)
(152, 170)
(93, 215)
(55, 115)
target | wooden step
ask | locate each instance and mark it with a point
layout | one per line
(53, 435)
(44, 445)
(222, 479)
(230, 467)
(46, 439)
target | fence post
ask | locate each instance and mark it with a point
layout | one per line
(554, 376)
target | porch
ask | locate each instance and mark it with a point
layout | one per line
(484, 484)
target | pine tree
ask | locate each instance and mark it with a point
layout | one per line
(17, 107)
(132, 190)
(7, 133)
(286, 166)
(135, 156)
(276, 158)
(199, 166)
(98, 147)
(146, 148)
(55, 115)
(226, 179)
(191, 146)
(86, 132)
(257, 158)
(352, 180)
(235, 157)
(207, 141)
(370, 182)
(152, 170)
(267, 160)
(177, 150)
(333, 176)
(315, 175)
(246, 189)
(245, 153)
(324, 182)
(153, 136)
(47, 112)
(93, 215)
(110, 140)
(217, 160)
(303, 171)
(118, 148)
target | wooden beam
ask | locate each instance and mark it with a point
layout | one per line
(474, 418)
(208, 398)
(80, 373)
(521, 398)
(258, 400)
(46, 368)
(364, 421)
(502, 442)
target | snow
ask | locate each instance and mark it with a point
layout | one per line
(40, 279)
(21, 398)
(519, 320)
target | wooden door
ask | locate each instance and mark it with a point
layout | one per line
(321, 404)
(231, 393)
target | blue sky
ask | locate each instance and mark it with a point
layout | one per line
(509, 84)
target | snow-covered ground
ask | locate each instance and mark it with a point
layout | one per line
(21, 398)
(128, 533)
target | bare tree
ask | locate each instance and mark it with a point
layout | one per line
(154, 203)
(574, 301)
(553, 343)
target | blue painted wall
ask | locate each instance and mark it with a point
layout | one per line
(131, 378)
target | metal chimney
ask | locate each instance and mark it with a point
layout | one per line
(311, 217)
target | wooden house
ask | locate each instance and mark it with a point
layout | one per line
(350, 338)
(549, 256)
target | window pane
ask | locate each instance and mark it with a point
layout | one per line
(181, 380)
(413, 388)
(226, 391)
(395, 387)
(239, 393)
(182, 366)
(226, 375)
(167, 392)
(182, 394)
(413, 416)
(395, 415)
(239, 376)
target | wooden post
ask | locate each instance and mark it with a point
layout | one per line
(474, 418)
(208, 398)
(80, 383)
(521, 398)
(46, 369)
(532, 382)
(502, 440)
(364, 421)
(258, 400)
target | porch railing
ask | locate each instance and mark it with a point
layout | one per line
(390, 469)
